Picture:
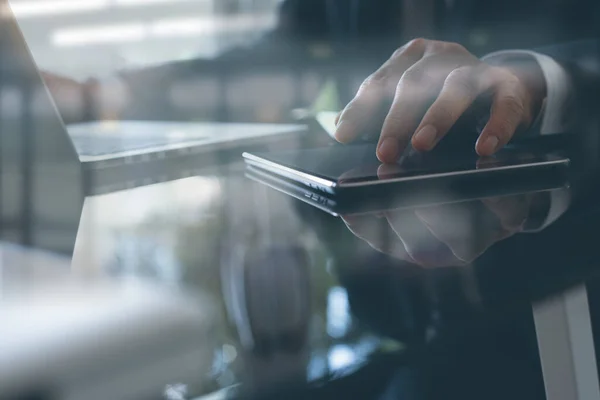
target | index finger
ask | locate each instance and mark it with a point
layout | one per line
(374, 91)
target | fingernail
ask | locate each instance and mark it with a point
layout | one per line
(389, 150)
(489, 145)
(426, 137)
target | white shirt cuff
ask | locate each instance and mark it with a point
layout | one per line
(554, 113)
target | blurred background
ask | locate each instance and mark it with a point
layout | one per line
(257, 60)
(95, 37)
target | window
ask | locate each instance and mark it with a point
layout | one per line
(94, 37)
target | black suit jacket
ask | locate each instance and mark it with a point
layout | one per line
(581, 60)
(481, 25)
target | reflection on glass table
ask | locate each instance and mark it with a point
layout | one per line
(457, 233)
(301, 301)
(283, 316)
(66, 336)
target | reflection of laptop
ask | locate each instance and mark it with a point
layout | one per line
(44, 175)
(112, 143)
(111, 140)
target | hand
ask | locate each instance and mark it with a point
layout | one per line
(444, 235)
(426, 86)
(79, 102)
(68, 96)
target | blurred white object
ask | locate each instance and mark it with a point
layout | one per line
(67, 338)
(327, 120)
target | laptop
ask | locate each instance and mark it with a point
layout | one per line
(45, 175)
(104, 144)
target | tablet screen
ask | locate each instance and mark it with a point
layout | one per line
(358, 163)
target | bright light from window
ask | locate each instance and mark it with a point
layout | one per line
(100, 34)
(146, 2)
(44, 8)
(165, 28)
(25, 9)
(183, 27)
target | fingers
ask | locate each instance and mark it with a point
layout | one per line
(511, 211)
(417, 88)
(420, 245)
(461, 88)
(508, 113)
(387, 171)
(444, 79)
(357, 114)
(375, 92)
(377, 233)
(467, 229)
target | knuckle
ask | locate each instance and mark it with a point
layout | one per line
(504, 75)
(374, 83)
(398, 53)
(414, 76)
(377, 78)
(454, 47)
(417, 43)
(512, 105)
(462, 78)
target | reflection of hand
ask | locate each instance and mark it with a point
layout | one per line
(426, 71)
(78, 102)
(68, 95)
(445, 235)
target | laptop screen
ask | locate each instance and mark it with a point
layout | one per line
(40, 175)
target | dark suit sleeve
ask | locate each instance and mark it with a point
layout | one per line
(581, 61)
(572, 74)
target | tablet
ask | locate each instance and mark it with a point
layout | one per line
(337, 205)
(354, 170)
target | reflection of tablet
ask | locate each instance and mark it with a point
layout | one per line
(355, 170)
